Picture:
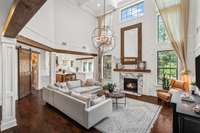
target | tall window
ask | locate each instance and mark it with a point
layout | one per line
(162, 34)
(132, 12)
(84, 66)
(88, 66)
(167, 65)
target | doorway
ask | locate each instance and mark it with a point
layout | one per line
(28, 68)
(35, 70)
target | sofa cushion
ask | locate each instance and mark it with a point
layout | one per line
(82, 98)
(86, 89)
(91, 82)
(60, 84)
(74, 84)
(65, 90)
(98, 100)
(53, 87)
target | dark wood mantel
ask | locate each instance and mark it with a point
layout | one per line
(131, 70)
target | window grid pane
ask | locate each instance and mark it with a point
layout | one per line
(132, 12)
(167, 65)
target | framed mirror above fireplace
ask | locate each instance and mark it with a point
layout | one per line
(131, 44)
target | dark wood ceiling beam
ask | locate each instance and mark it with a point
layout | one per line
(32, 43)
(20, 13)
(74, 52)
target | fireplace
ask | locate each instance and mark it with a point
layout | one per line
(131, 84)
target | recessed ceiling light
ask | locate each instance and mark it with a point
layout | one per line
(98, 4)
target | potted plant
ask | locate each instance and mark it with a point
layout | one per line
(110, 87)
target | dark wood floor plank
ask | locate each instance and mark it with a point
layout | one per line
(34, 116)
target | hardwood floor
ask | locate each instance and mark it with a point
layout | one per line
(34, 116)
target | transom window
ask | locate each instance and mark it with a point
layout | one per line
(132, 12)
(167, 65)
(162, 34)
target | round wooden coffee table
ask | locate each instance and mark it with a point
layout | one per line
(117, 96)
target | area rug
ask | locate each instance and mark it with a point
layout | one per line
(136, 117)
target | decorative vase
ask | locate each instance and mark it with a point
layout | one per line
(142, 65)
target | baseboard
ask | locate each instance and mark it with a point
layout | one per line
(8, 124)
(132, 93)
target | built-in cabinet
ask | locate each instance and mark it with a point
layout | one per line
(185, 120)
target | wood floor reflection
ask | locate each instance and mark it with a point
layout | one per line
(34, 116)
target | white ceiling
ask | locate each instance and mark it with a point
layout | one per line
(95, 7)
(4, 9)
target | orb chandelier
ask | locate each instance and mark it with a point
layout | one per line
(103, 37)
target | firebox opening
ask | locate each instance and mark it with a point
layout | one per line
(131, 85)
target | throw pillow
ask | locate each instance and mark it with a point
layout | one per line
(91, 82)
(82, 98)
(63, 84)
(74, 84)
(57, 84)
(98, 100)
(83, 82)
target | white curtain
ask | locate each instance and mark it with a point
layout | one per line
(175, 17)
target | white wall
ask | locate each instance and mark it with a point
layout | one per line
(197, 27)
(41, 27)
(193, 35)
(149, 45)
(61, 21)
(73, 26)
(44, 69)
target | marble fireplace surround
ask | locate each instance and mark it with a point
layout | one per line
(138, 76)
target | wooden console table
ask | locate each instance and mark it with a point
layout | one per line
(65, 77)
(184, 119)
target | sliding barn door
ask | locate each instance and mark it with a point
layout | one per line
(24, 64)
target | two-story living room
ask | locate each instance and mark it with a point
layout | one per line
(100, 66)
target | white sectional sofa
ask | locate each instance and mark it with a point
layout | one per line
(77, 109)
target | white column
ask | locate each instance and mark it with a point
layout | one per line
(52, 67)
(9, 82)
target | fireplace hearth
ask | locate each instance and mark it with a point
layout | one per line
(131, 85)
